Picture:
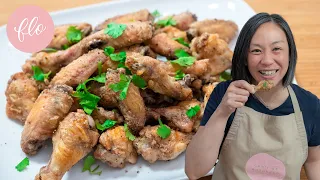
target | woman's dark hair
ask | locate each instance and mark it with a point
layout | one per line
(239, 69)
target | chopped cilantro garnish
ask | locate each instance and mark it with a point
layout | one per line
(122, 65)
(167, 22)
(138, 81)
(49, 50)
(265, 84)
(74, 35)
(224, 76)
(65, 46)
(115, 30)
(181, 53)
(179, 75)
(39, 75)
(129, 135)
(108, 50)
(88, 162)
(193, 111)
(106, 125)
(121, 86)
(184, 61)
(181, 41)
(23, 164)
(163, 131)
(156, 14)
(121, 56)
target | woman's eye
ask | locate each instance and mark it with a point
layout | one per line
(255, 51)
(276, 49)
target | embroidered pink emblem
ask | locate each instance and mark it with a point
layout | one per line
(262, 166)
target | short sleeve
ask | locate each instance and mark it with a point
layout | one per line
(214, 101)
(315, 131)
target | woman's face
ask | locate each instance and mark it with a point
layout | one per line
(268, 56)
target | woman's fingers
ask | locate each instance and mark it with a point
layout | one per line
(244, 85)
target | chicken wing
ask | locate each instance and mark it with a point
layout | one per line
(210, 46)
(226, 30)
(135, 33)
(153, 148)
(80, 69)
(21, 93)
(60, 34)
(166, 46)
(141, 15)
(101, 115)
(183, 20)
(74, 139)
(132, 107)
(115, 149)
(177, 115)
(108, 98)
(156, 77)
(173, 32)
(48, 110)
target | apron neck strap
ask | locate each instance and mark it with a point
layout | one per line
(294, 100)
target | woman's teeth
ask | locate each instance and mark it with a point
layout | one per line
(268, 73)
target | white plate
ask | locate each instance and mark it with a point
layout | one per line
(12, 60)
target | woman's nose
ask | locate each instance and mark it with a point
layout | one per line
(267, 59)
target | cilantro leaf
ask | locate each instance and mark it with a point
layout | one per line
(224, 76)
(121, 56)
(184, 61)
(65, 46)
(122, 65)
(88, 162)
(129, 135)
(106, 125)
(49, 50)
(167, 22)
(181, 41)
(122, 86)
(100, 78)
(193, 111)
(181, 53)
(23, 164)
(74, 35)
(115, 30)
(138, 81)
(87, 100)
(265, 85)
(179, 75)
(156, 14)
(99, 67)
(108, 50)
(38, 74)
(163, 131)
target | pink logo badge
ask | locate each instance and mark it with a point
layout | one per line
(30, 29)
(262, 166)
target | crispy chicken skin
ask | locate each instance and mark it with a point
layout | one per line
(152, 147)
(21, 93)
(173, 32)
(210, 46)
(198, 68)
(141, 49)
(115, 149)
(156, 77)
(264, 85)
(142, 15)
(166, 46)
(74, 139)
(227, 30)
(49, 109)
(177, 117)
(60, 37)
(80, 69)
(184, 20)
(101, 115)
(135, 33)
(132, 107)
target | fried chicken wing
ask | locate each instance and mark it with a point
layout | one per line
(184, 20)
(60, 34)
(108, 98)
(48, 110)
(74, 139)
(132, 107)
(21, 93)
(141, 15)
(177, 115)
(173, 32)
(80, 69)
(153, 148)
(166, 46)
(156, 77)
(210, 46)
(135, 33)
(115, 149)
(101, 115)
(141, 49)
(226, 30)
(264, 85)
(155, 99)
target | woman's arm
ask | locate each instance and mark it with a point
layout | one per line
(203, 150)
(312, 165)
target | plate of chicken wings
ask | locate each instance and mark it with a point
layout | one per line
(119, 91)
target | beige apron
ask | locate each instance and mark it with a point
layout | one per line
(263, 147)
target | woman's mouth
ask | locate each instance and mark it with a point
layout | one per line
(268, 72)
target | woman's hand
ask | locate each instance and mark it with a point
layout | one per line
(235, 97)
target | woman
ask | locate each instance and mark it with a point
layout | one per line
(264, 134)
